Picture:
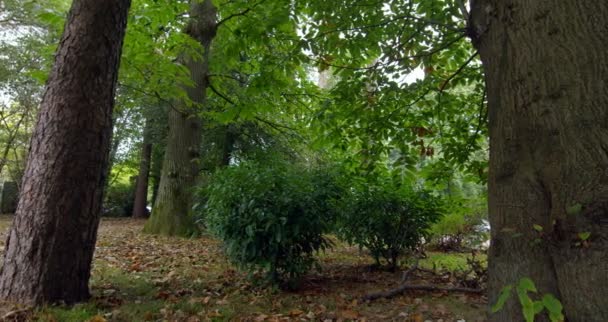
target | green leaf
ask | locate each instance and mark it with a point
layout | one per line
(502, 298)
(552, 304)
(556, 317)
(574, 209)
(584, 235)
(526, 284)
(538, 307)
(528, 311)
(537, 227)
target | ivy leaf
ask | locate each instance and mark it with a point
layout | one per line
(584, 235)
(502, 298)
(553, 305)
(528, 312)
(526, 284)
(538, 307)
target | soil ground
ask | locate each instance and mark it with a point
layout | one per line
(138, 277)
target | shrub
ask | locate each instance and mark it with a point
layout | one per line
(268, 217)
(387, 219)
(462, 227)
(118, 201)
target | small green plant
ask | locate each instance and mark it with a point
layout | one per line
(388, 219)
(269, 217)
(530, 307)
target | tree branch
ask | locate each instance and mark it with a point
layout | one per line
(409, 287)
(460, 69)
(238, 14)
(280, 127)
(213, 89)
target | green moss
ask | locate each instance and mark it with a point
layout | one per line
(76, 313)
(164, 221)
(128, 285)
(135, 312)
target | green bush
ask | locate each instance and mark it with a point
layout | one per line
(462, 227)
(118, 201)
(269, 216)
(388, 219)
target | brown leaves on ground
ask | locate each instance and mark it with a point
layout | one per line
(139, 277)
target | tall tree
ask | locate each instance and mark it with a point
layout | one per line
(50, 245)
(546, 67)
(172, 212)
(141, 187)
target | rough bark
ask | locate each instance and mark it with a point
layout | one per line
(546, 69)
(172, 212)
(50, 245)
(141, 188)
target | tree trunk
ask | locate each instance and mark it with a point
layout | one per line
(50, 245)
(546, 69)
(141, 189)
(172, 212)
(158, 152)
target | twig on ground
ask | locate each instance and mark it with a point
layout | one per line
(407, 287)
(409, 271)
(16, 314)
(411, 287)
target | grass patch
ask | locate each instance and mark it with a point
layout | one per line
(76, 313)
(449, 261)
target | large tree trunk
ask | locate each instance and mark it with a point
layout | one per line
(546, 68)
(50, 245)
(172, 212)
(141, 188)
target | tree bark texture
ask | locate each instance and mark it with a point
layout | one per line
(141, 188)
(546, 69)
(50, 245)
(172, 212)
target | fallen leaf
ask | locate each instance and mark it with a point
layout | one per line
(416, 317)
(162, 295)
(295, 312)
(97, 318)
(349, 314)
(214, 314)
(310, 315)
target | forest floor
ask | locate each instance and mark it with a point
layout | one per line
(138, 277)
